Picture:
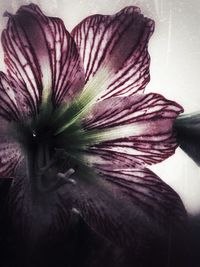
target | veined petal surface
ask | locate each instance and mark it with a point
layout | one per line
(42, 58)
(11, 154)
(128, 131)
(114, 52)
(130, 207)
(12, 106)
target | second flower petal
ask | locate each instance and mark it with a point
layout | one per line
(128, 131)
(114, 52)
(42, 57)
(128, 207)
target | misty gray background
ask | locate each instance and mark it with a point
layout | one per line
(175, 65)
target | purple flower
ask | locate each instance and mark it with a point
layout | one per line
(77, 132)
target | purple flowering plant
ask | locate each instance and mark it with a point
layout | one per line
(78, 131)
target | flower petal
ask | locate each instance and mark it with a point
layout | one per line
(114, 51)
(10, 158)
(129, 207)
(12, 103)
(127, 131)
(54, 214)
(41, 57)
(10, 151)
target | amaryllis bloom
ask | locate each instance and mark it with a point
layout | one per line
(78, 132)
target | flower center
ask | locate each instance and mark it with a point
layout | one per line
(49, 166)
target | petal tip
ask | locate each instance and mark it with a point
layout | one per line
(7, 14)
(136, 10)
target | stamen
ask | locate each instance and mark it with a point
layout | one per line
(60, 154)
(72, 181)
(47, 180)
(64, 177)
(66, 174)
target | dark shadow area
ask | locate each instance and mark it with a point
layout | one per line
(79, 246)
(195, 240)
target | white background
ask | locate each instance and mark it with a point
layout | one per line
(175, 65)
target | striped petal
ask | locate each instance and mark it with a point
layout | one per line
(12, 103)
(10, 158)
(41, 57)
(129, 207)
(127, 132)
(10, 151)
(114, 52)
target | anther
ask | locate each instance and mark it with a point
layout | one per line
(66, 176)
(72, 181)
